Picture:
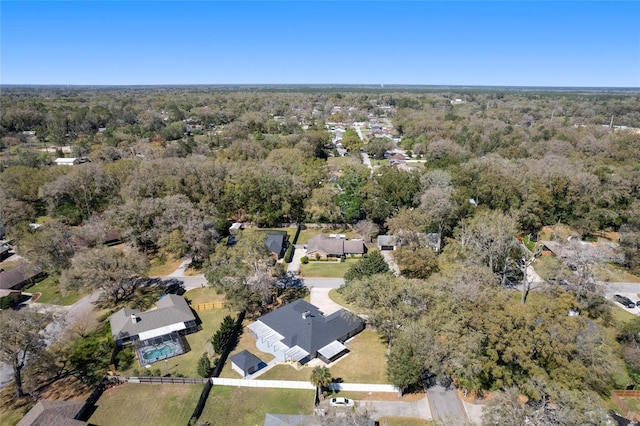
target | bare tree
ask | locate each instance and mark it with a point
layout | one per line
(107, 269)
(22, 340)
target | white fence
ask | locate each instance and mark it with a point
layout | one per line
(280, 384)
(289, 384)
(362, 387)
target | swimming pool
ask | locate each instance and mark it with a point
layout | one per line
(153, 354)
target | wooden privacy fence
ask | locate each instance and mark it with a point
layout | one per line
(617, 397)
(207, 306)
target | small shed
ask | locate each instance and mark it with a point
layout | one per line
(245, 363)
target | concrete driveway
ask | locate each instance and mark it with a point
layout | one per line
(446, 405)
(377, 409)
(298, 253)
(388, 257)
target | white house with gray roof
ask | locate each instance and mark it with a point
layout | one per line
(172, 315)
(300, 332)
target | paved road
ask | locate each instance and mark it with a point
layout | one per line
(323, 282)
(631, 290)
(446, 406)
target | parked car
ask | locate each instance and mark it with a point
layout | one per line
(175, 288)
(624, 301)
(341, 402)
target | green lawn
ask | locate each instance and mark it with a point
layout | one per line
(341, 161)
(306, 234)
(365, 363)
(249, 343)
(379, 162)
(229, 405)
(550, 267)
(51, 292)
(620, 316)
(340, 300)
(160, 267)
(329, 269)
(144, 404)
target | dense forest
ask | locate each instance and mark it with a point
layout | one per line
(170, 168)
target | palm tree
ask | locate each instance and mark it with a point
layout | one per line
(320, 378)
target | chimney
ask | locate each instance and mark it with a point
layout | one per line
(134, 318)
(305, 314)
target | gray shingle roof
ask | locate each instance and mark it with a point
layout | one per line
(245, 360)
(53, 413)
(334, 246)
(171, 309)
(18, 275)
(275, 242)
(313, 332)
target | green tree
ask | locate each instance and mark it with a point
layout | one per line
(222, 337)
(372, 264)
(351, 140)
(320, 378)
(416, 262)
(204, 366)
(242, 272)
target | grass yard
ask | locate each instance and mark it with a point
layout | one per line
(366, 361)
(308, 233)
(144, 404)
(291, 231)
(203, 295)
(52, 294)
(286, 372)
(229, 405)
(340, 300)
(550, 267)
(249, 343)
(620, 316)
(613, 273)
(326, 269)
(162, 267)
(342, 161)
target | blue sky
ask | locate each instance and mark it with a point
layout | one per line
(501, 43)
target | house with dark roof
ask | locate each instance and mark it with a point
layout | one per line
(334, 247)
(300, 332)
(20, 276)
(391, 242)
(172, 315)
(276, 241)
(54, 413)
(245, 363)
